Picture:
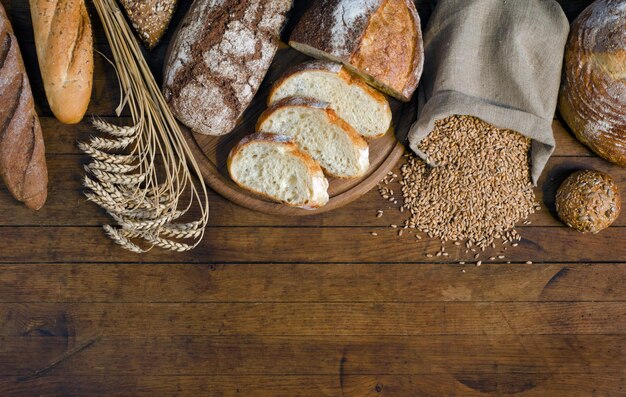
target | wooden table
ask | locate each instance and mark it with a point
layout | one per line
(315, 306)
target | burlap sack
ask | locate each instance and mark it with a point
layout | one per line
(498, 60)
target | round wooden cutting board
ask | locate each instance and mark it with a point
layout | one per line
(212, 152)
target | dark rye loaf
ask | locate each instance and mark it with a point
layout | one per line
(22, 153)
(218, 58)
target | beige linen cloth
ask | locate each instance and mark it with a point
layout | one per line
(498, 60)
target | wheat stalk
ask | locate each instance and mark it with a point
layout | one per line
(140, 174)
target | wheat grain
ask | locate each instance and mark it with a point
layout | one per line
(123, 174)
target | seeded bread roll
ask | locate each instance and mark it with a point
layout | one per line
(364, 108)
(22, 153)
(588, 201)
(65, 51)
(150, 18)
(318, 131)
(273, 166)
(381, 40)
(593, 93)
(218, 58)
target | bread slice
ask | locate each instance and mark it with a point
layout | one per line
(318, 131)
(364, 108)
(273, 166)
(380, 40)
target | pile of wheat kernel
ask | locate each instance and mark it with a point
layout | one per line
(478, 186)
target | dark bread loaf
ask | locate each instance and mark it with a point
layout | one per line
(22, 153)
(150, 18)
(381, 40)
(593, 91)
(218, 58)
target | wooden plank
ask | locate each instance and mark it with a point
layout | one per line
(300, 319)
(250, 355)
(540, 385)
(304, 245)
(135, 283)
(67, 206)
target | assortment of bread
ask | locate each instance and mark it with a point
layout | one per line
(593, 92)
(65, 51)
(321, 114)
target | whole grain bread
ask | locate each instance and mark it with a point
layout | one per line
(381, 40)
(150, 18)
(218, 58)
(22, 153)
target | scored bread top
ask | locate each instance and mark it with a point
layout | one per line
(218, 58)
(381, 40)
(593, 91)
(374, 98)
(359, 147)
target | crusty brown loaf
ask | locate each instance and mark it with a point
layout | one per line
(218, 58)
(588, 201)
(65, 51)
(379, 39)
(150, 18)
(593, 93)
(22, 157)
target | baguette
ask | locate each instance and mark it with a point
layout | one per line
(273, 166)
(65, 51)
(22, 157)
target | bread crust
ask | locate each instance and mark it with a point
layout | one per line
(218, 59)
(150, 18)
(341, 72)
(592, 99)
(22, 152)
(356, 139)
(314, 168)
(64, 44)
(383, 44)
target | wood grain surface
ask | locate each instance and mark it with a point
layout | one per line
(316, 306)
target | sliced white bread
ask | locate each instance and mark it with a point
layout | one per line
(318, 131)
(364, 108)
(273, 166)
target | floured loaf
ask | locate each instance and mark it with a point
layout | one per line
(318, 131)
(381, 40)
(218, 58)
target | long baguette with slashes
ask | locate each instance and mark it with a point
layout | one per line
(22, 153)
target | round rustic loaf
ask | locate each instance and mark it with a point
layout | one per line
(588, 201)
(593, 93)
